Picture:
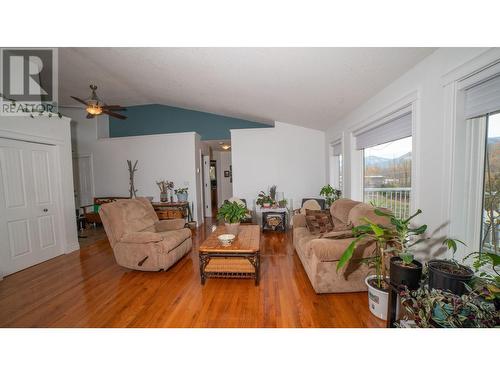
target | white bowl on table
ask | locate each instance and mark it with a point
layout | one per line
(226, 239)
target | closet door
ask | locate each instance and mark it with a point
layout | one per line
(29, 230)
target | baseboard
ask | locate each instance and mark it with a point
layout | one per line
(72, 247)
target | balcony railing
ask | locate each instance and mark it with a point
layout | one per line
(395, 199)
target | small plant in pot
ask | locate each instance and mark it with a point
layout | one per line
(282, 203)
(330, 194)
(232, 213)
(182, 194)
(382, 239)
(447, 274)
(264, 200)
(404, 269)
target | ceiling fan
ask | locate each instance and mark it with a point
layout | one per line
(95, 106)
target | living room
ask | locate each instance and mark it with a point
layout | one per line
(340, 186)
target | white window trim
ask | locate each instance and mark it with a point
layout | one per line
(408, 103)
(466, 184)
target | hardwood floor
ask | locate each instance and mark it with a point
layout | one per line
(88, 289)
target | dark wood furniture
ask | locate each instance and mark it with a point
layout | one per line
(274, 220)
(173, 210)
(241, 259)
(89, 213)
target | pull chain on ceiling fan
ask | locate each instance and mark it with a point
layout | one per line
(95, 106)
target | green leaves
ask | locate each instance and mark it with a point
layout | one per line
(347, 255)
(232, 212)
(406, 257)
(451, 244)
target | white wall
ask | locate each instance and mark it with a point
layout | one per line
(289, 156)
(224, 184)
(431, 154)
(173, 157)
(54, 131)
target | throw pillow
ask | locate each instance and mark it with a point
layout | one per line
(318, 221)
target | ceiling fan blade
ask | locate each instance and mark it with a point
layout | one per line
(80, 100)
(112, 114)
(114, 107)
(90, 116)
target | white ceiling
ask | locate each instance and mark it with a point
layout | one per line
(311, 87)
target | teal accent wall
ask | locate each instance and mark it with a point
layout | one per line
(161, 119)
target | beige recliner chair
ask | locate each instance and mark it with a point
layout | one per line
(139, 240)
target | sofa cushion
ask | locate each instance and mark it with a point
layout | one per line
(337, 234)
(364, 210)
(318, 221)
(173, 238)
(340, 209)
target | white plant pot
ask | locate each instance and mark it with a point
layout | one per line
(377, 300)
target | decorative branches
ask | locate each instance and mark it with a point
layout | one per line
(131, 171)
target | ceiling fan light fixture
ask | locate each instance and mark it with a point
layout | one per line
(94, 109)
(226, 147)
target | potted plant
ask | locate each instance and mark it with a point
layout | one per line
(282, 203)
(330, 194)
(165, 187)
(182, 194)
(264, 200)
(232, 213)
(438, 308)
(404, 269)
(447, 274)
(378, 285)
(487, 280)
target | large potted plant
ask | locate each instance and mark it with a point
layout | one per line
(445, 274)
(330, 194)
(404, 269)
(232, 213)
(383, 240)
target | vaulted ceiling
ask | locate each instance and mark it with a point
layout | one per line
(311, 87)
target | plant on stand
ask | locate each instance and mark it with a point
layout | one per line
(264, 200)
(232, 213)
(164, 186)
(330, 194)
(182, 194)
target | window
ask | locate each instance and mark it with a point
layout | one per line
(336, 167)
(387, 162)
(491, 186)
(387, 175)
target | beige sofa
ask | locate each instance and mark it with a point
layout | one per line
(139, 240)
(320, 256)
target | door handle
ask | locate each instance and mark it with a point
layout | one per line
(45, 210)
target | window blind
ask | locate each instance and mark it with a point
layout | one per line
(397, 128)
(337, 148)
(483, 98)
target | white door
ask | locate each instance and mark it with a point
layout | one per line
(82, 178)
(29, 221)
(207, 187)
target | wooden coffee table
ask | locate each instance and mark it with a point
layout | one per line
(239, 260)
